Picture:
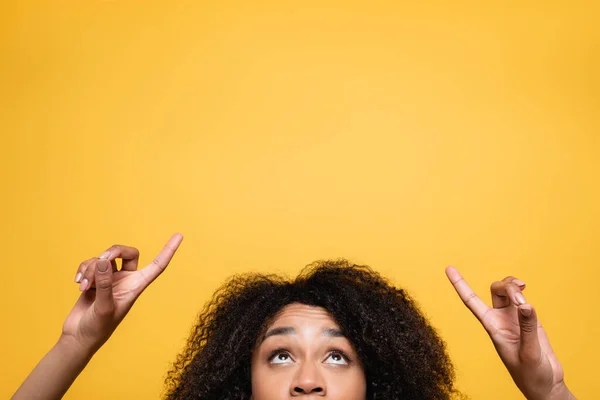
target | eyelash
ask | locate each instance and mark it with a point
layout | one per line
(331, 352)
(277, 352)
(341, 353)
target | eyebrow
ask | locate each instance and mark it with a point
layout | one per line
(284, 330)
(288, 330)
(333, 332)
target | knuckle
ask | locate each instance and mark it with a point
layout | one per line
(89, 276)
(89, 271)
(104, 283)
(513, 287)
(85, 264)
(528, 327)
(509, 278)
(470, 297)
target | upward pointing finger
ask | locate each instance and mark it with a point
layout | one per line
(159, 264)
(471, 300)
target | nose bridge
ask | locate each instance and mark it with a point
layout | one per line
(308, 379)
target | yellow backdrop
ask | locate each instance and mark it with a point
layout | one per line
(405, 135)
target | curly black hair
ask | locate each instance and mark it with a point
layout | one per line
(402, 354)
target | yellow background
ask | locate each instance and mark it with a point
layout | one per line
(405, 135)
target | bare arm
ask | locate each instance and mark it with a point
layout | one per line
(56, 372)
(107, 296)
(519, 339)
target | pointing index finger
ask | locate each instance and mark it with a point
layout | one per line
(471, 300)
(159, 264)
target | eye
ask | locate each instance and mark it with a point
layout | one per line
(337, 358)
(280, 357)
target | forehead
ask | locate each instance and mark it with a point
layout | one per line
(301, 315)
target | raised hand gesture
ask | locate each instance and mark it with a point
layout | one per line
(108, 293)
(519, 338)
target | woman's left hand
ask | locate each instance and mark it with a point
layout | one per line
(519, 338)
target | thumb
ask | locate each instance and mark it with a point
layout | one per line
(104, 305)
(529, 346)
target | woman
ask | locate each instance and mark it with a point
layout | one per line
(337, 331)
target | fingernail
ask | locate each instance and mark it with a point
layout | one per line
(520, 298)
(78, 277)
(104, 255)
(102, 265)
(83, 285)
(518, 282)
(526, 312)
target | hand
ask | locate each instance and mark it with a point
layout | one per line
(519, 338)
(108, 293)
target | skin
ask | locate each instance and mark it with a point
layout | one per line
(309, 369)
(304, 354)
(94, 317)
(518, 336)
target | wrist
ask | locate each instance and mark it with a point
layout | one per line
(561, 392)
(73, 349)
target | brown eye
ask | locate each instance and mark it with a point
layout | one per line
(337, 359)
(280, 357)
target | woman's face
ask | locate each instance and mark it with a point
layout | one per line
(304, 354)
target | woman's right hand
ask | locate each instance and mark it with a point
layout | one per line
(108, 293)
